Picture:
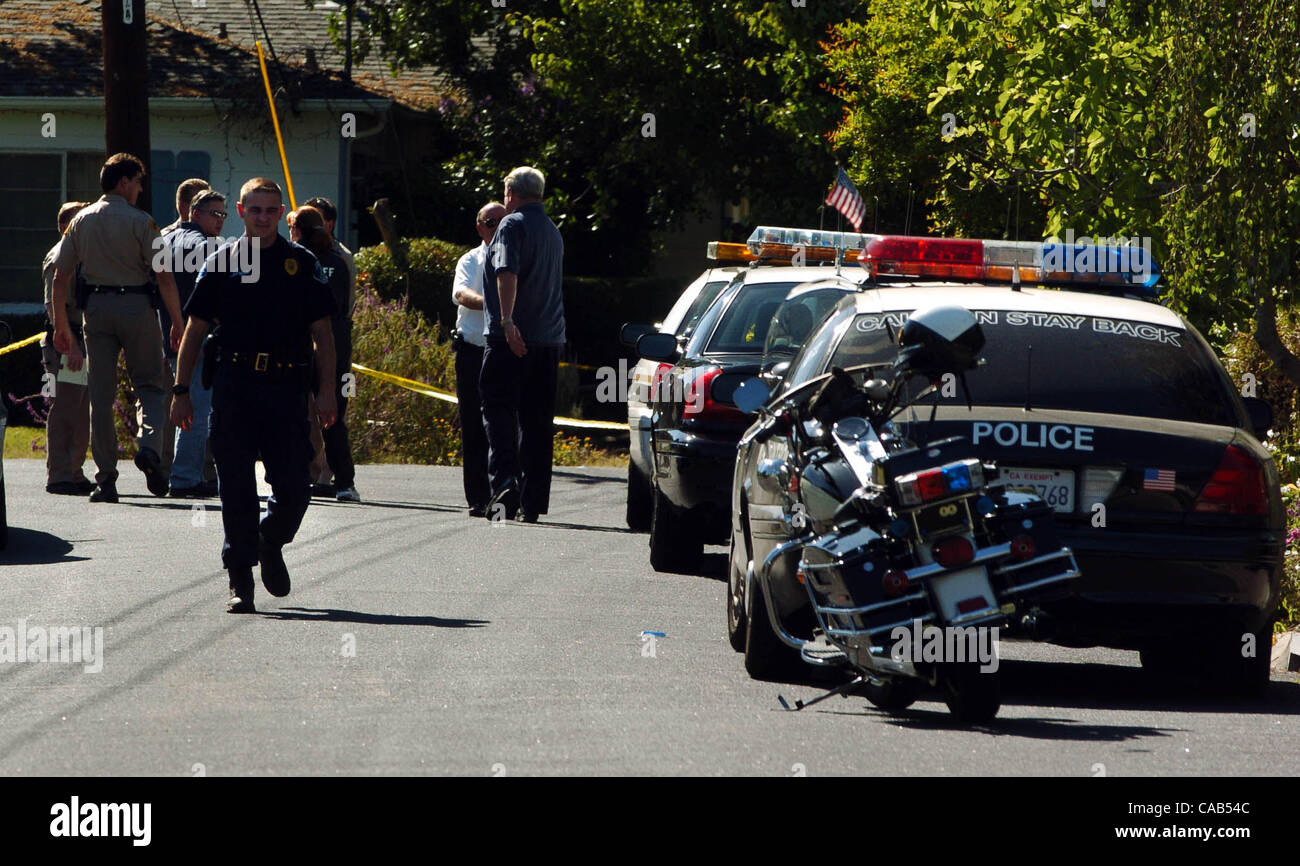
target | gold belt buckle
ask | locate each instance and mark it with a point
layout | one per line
(262, 361)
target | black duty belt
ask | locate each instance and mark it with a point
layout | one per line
(120, 290)
(263, 362)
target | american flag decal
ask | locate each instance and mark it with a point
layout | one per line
(1158, 479)
(845, 199)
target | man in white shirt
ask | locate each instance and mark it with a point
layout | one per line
(468, 341)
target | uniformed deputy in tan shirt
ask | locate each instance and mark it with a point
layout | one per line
(114, 242)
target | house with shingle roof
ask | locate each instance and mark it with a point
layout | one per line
(207, 113)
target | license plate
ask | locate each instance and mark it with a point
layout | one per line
(959, 588)
(940, 518)
(1053, 486)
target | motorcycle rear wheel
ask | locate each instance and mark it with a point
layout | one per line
(972, 697)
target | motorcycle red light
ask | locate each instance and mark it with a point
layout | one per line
(1237, 486)
(894, 582)
(1023, 547)
(932, 485)
(955, 551)
(972, 604)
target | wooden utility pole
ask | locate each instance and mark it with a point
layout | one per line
(126, 84)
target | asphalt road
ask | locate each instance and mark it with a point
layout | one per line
(419, 641)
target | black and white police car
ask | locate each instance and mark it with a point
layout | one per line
(680, 322)
(1115, 411)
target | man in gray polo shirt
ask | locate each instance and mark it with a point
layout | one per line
(524, 309)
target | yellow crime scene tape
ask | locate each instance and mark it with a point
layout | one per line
(408, 384)
(13, 347)
(430, 391)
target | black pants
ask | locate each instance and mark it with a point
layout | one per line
(518, 410)
(473, 438)
(253, 416)
(338, 450)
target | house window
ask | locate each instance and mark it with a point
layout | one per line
(32, 187)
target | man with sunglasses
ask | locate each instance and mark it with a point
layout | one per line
(468, 341)
(189, 245)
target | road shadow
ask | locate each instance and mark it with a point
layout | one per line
(543, 523)
(579, 478)
(307, 614)
(1117, 687)
(401, 506)
(33, 547)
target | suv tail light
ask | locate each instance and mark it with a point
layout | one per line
(1237, 486)
(700, 404)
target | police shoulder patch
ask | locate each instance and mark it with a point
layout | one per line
(291, 266)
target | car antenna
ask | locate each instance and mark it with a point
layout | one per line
(1015, 279)
(1029, 368)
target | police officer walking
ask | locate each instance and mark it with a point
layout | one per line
(116, 245)
(266, 322)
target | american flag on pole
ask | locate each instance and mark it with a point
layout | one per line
(845, 199)
(1158, 479)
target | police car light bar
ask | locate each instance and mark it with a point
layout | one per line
(1125, 267)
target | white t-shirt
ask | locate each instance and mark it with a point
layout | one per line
(469, 275)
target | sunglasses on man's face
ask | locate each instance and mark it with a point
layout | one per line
(219, 214)
(489, 223)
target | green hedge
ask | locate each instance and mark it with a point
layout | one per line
(427, 285)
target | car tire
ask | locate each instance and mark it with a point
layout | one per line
(736, 624)
(640, 499)
(973, 698)
(675, 545)
(766, 657)
(893, 694)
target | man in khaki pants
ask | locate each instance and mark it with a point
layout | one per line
(67, 427)
(115, 243)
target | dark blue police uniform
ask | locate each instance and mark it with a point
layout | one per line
(259, 390)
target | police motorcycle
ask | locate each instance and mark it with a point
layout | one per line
(912, 557)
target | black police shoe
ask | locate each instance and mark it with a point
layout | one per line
(148, 462)
(241, 591)
(507, 499)
(195, 492)
(478, 511)
(104, 492)
(67, 488)
(275, 574)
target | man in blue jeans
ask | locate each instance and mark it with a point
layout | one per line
(207, 216)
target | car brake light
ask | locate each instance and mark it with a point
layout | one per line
(700, 404)
(659, 383)
(1236, 487)
(955, 551)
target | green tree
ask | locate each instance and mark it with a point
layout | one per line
(736, 90)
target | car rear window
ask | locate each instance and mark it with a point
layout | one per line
(743, 327)
(1072, 362)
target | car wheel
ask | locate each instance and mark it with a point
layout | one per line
(892, 694)
(1232, 672)
(766, 657)
(640, 499)
(736, 624)
(675, 545)
(972, 697)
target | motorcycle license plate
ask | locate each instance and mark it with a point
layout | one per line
(941, 517)
(1053, 486)
(958, 595)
